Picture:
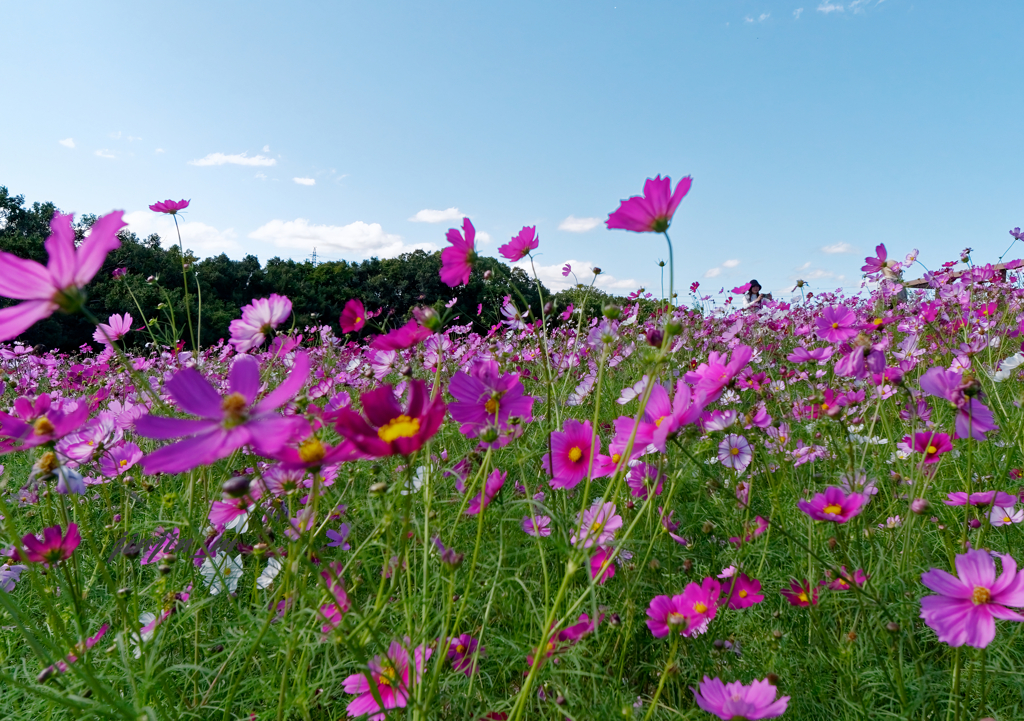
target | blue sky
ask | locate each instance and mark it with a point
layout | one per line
(813, 130)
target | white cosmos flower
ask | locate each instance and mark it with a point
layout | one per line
(269, 573)
(221, 571)
(1002, 516)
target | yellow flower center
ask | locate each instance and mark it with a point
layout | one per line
(123, 463)
(596, 527)
(803, 597)
(782, 439)
(734, 451)
(878, 321)
(699, 607)
(824, 406)
(932, 450)
(386, 677)
(676, 619)
(311, 450)
(833, 508)
(42, 426)
(742, 594)
(401, 427)
(359, 319)
(981, 595)
(616, 458)
(575, 453)
(657, 423)
(460, 649)
(835, 325)
(1006, 519)
(492, 405)
(234, 408)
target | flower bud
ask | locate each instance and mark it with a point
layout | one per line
(236, 487)
(597, 271)
(892, 627)
(919, 505)
(673, 327)
(427, 317)
(488, 274)
(975, 523)
(655, 337)
(611, 311)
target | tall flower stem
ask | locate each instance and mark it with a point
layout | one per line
(671, 273)
(184, 280)
(664, 675)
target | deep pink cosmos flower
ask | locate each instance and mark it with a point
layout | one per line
(462, 652)
(80, 648)
(932, 445)
(42, 424)
(53, 548)
(573, 454)
(566, 269)
(485, 398)
(734, 452)
(735, 701)
(259, 317)
(652, 212)
(842, 583)
(311, 453)
(225, 423)
(388, 428)
(458, 258)
(171, 207)
(353, 316)
(644, 478)
(743, 591)
(836, 324)
(119, 460)
(668, 614)
(701, 603)
(833, 505)
(492, 485)
(59, 285)
(401, 338)
(973, 418)
(711, 378)
(521, 245)
(597, 562)
(662, 420)
(800, 593)
(981, 498)
(968, 603)
(389, 676)
(537, 526)
(597, 525)
(116, 328)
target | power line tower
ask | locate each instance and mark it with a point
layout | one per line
(313, 258)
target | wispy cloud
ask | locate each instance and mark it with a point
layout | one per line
(483, 237)
(261, 176)
(160, 150)
(732, 263)
(266, 148)
(748, 19)
(579, 225)
(726, 265)
(436, 216)
(355, 240)
(828, 7)
(236, 159)
(67, 142)
(764, 16)
(839, 247)
(712, 272)
(797, 13)
(857, 6)
(305, 181)
(104, 153)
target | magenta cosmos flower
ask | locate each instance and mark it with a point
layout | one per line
(980, 498)
(171, 207)
(668, 614)
(973, 418)
(388, 674)
(458, 258)
(401, 338)
(353, 316)
(652, 212)
(53, 548)
(43, 423)
(833, 505)
(225, 423)
(932, 445)
(800, 593)
(573, 454)
(259, 317)
(735, 701)
(485, 398)
(492, 485)
(521, 245)
(388, 428)
(734, 452)
(116, 328)
(878, 263)
(836, 324)
(597, 525)
(59, 285)
(712, 377)
(461, 652)
(743, 591)
(968, 604)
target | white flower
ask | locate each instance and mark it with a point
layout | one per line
(1007, 368)
(269, 573)
(1001, 516)
(630, 392)
(239, 523)
(416, 482)
(221, 571)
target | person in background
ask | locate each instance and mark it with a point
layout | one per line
(753, 296)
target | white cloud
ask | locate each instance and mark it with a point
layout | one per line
(827, 7)
(305, 181)
(712, 272)
(67, 142)
(436, 216)
(796, 13)
(551, 276)
(105, 153)
(266, 148)
(748, 19)
(236, 159)
(355, 240)
(160, 150)
(204, 240)
(573, 224)
(764, 16)
(261, 176)
(483, 237)
(730, 263)
(838, 248)
(855, 5)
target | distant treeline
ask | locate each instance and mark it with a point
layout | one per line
(318, 292)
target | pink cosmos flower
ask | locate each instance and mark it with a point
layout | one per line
(734, 452)
(597, 562)
(81, 648)
(388, 428)
(46, 424)
(116, 328)
(597, 525)
(120, 460)
(53, 548)
(225, 423)
(458, 258)
(932, 445)
(486, 398)
(401, 338)
(171, 207)
(712, 377)
(877, 264)
(644, 478)
(842, 583)
(800, 593)
(387, 674)
(521, 245)
(258, 318)
(803, 355)
(833, 505)
(686, 408)
(980, 498)
(353, 316)
(701, 603)
(968, 603)
(760, 526)
(537, 526)
(652, 212)
(973, 419)
(462, 652)
(743, 592)
(735, 701)
(836, 324)
(668, 614)
(492, 485)
(573, 454)
(566, 269)
(1005, 516)
(59, 285)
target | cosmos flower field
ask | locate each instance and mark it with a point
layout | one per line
(806, 509)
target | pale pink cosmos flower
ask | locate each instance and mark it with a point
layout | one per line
(735, 701)
(116, 328)
(389, 675)
(537, 526)
(258, 318)
(597, 525)
(59, 284)
(1005, 515)
(734, 452)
